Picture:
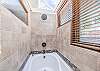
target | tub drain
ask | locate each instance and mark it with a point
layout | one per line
(44, 69)
(44, 57)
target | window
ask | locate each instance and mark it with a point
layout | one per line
(65, 12)
(86, 23)
(15, 7)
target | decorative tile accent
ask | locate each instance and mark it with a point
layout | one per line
(68, 62)
(22, 66)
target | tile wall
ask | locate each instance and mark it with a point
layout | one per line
(84, 59)
(14, 41)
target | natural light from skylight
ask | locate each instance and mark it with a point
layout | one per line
(48, 4)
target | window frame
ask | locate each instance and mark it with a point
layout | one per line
(26, 11)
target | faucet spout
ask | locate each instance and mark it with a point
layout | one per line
(44, 51)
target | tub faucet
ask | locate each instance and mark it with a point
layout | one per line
(44, 47)
(44, 51)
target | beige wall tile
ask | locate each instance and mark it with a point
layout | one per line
(86, 60)
(15, 39)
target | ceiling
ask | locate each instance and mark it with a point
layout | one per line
(48, 4)
(42, 4)
(15, 7)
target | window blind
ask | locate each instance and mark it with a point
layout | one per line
(89, 19)
(66, 14)
(75, 21)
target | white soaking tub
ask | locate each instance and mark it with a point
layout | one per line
(51, 62)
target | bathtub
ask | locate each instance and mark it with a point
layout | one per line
(46, 62)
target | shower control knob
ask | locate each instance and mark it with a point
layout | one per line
(43, 44)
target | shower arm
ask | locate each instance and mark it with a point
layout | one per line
(22, 4)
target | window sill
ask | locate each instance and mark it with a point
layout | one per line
(88, 46)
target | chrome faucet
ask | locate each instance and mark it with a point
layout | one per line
(44, 51)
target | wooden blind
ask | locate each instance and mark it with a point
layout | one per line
(59, 11)
(86, 22)
(66, 13)
(75, 21)
(90, 21)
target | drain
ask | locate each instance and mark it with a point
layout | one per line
(44, 57)
(44, 69)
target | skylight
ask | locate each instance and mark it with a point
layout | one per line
(48, 4)
(10, 2)
(15, 7)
